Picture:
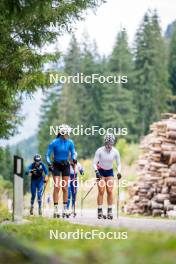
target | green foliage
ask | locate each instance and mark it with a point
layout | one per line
(121, 59)
(4, 214)
(129, 152)
(85, 103)
(27, 148)
(6, 167)
(25, 28)
(5, 185)
(6, 163)
(151, 80)
(145, 247)
(122, 147)
(169, 30)
(75, 104)
(5, 193)
(118, 99)
(172, 67)
(49, 113)
(133, 105)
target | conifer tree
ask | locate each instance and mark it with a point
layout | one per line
(118, 106)
(151, 79)
(25, 29)
(172, 67)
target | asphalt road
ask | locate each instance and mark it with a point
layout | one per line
(89, 217)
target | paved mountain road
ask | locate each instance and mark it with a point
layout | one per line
(131, 223)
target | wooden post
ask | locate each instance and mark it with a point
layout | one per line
(18, 189)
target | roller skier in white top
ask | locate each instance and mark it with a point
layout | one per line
(103, 166)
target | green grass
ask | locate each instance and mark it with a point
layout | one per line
(4, 215)
(138, 248)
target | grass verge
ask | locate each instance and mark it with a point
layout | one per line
(137, 248)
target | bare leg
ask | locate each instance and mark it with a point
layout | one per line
(56, 189)
(101, 189)
(109, 189)
(65, 188)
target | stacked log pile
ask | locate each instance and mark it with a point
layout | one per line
(155, 192)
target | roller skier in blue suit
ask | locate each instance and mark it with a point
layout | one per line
(61, 147)
(37, 170)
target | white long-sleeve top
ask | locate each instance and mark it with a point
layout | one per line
(104, 159)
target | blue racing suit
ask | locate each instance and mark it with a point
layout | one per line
(37, 181)
(73, 186)
(61, 149)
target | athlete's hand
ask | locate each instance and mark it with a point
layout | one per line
(74, 161)
(119, 176)
(98, 176)
(31, 172)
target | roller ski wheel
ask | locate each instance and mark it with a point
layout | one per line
(65, 215)
(32, 210)
(73, 214)
(56, 215)
(40, 211)
(110, 216)
(101, 216)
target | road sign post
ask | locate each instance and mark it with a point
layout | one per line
(18, 189)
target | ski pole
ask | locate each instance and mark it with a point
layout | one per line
(117, 198)
(44, 188)
(82, 200)
(74, 208)
(43, 192)
(81, 194)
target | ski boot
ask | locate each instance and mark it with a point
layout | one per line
(100, 214)
(32, 210)
(56, 213)
(109, 214)
(40, 211)
(65, 214)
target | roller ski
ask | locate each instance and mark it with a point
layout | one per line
(56, 215)
(32, 210)
(100, 214)
(74, 210)
(65, 214)
(56, 212)
(73, 214)
(40, 211)
(109, 214)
